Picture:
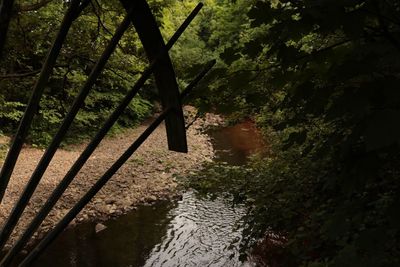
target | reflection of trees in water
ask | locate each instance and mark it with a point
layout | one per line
(203, 232)
(127, 241)
(234, 144)
(193, 231)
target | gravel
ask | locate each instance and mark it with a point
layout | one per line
(148, 175)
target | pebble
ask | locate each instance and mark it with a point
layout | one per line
(136, 182)
(100, 227)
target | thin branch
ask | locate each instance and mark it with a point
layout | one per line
(99, 21)
(63, 92)
(26, 74)
(196, 117)
(34, 72)
(106, 68)
(275, 65)
(32, 7)
(19, 75)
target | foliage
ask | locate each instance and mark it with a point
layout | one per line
(3, 151)
(320, 77)
(10, 110)
(31, 33)
(323, 78)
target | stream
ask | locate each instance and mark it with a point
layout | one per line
(190, 232)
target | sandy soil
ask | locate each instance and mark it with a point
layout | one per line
(146, 177)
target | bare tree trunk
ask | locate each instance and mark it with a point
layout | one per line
(6, 9)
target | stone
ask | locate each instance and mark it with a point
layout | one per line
(110, 201)
(132, 185)
(100, 227)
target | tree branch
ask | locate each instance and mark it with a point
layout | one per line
(32, 7)
(100, 22)
(19, 75)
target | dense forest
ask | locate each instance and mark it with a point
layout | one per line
(320, 78)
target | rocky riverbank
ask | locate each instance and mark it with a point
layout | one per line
(147, 177)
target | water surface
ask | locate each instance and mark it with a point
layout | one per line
(234, 144)
(190, 232)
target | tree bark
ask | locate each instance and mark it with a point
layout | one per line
(6, 10)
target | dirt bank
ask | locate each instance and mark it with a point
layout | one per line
(146, 177)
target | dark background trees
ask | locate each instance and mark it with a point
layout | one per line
(322, 78)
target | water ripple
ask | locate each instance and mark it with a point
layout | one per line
(201, 233)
